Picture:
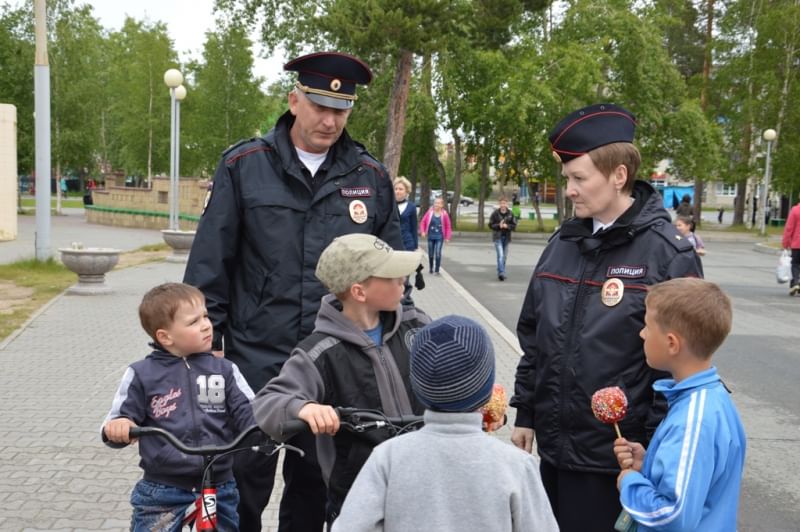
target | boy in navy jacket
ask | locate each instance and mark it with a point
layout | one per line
(690, 475)
(182, 388)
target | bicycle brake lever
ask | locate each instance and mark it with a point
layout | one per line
(270, 449)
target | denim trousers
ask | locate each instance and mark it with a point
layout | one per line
(160, 507)
(435, 253)
(501, 249)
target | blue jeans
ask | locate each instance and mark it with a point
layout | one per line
(435, 253)
(160, 507)
(501, 248)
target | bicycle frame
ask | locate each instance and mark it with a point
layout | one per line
(203, 512)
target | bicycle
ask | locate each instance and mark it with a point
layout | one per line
(203, 512)
(360, 420)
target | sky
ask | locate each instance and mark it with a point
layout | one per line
(186, 20)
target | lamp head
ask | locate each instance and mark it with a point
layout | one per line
(173, 78)
(770, 134)
(180, 92)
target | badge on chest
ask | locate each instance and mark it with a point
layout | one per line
(612, 292)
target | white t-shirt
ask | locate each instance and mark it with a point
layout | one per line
(312, 161)
(401, 207)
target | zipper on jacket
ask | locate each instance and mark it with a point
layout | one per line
(388, 373)
(193, 406)
(567, 371)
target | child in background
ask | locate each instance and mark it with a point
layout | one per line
(182, 388)
(449, 476)
(685, 226)
(689, 477)
(436, 227)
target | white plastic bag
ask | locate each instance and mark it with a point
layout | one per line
(784, 270)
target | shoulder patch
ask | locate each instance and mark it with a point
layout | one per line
(671, 235)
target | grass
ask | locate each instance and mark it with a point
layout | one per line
(28, 284)
(524, 225)
(67, 203)
(45, 279)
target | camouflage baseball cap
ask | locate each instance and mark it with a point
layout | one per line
(356, 257)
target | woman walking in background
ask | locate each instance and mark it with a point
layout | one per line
(435, 226)
(408, 213)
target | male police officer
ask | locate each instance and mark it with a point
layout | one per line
(276, 203)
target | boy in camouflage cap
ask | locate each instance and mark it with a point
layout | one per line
(357, 356)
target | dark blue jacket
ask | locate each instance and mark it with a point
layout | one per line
(574, 344)
(201, 399)
(408, 227)
(261, 235)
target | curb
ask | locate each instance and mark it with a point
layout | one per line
(502, 331)
(11, 337)
(760, 247)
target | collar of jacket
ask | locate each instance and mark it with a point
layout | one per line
(160, 352)
(332, 322)
(453, 422)
(646, 209)
(344, 153)
(672, 390)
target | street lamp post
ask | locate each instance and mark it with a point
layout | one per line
(173, 78)
(769, 135)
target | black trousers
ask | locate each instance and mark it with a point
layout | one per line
(795, 267)
(302, 507)
(582, 502)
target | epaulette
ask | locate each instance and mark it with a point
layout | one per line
(239, 150)
(232, 147)
(668, 232)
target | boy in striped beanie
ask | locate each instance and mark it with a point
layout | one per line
(449, 475)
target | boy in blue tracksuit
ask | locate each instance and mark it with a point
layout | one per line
(690, 475)
(182, 388)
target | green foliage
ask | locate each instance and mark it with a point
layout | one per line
(225, 103)
(16, 77)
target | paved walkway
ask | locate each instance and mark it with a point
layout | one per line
(61, 371)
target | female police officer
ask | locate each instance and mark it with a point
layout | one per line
(579, 325)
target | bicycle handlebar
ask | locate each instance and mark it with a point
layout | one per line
(354, 420)
(206, 450)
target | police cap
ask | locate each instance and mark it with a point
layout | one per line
(591, 127)
(330, 78)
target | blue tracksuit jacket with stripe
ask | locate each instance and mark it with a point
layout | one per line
(692, 471)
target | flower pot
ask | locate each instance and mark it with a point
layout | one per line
(180, 242)
(91, 265)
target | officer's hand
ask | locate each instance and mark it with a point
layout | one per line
(322, 419)
(522, 437)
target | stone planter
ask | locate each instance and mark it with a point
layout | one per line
(180, 242)
(91, 265)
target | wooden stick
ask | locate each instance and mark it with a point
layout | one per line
(619, 434)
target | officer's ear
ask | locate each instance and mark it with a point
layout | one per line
(294, 101)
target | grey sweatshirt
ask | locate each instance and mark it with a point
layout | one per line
(448, 476)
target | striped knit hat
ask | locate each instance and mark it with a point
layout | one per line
(452, 365)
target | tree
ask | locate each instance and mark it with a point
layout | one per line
(226, 103)
(75, 60)
(16, 78)
(139, 113)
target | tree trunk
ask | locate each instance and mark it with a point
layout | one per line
(456, 174)
(396, 123)
(698, 179)
(484, 181)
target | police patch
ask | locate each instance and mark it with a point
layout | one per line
(628, 272)
(356, 192)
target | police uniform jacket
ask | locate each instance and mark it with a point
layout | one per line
(262, 232)
(574, 344)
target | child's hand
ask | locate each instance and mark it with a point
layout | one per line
(630, 455)
(117, 430)
(322, 419)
